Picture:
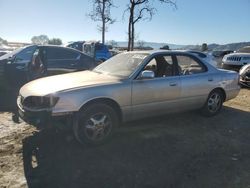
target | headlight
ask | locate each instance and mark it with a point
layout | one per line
(224, 58)
(37, 102)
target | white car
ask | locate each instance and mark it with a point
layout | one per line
(126, 87)
(236, 60)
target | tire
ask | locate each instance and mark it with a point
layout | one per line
(95, 124)
(213, 103)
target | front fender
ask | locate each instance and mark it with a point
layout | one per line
(72, 101)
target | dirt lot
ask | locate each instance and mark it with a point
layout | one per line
(178, 150)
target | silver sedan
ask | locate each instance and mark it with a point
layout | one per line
(129, 86)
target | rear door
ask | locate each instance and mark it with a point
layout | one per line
(195, 81)
(62, 60)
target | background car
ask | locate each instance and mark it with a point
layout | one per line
(78, 45)
(94, 49)
(221, 53)
(205, 56)
(126, 87)
(3, 53)
(97, 50)
(35, 61)
(235, 61)
(245, 75)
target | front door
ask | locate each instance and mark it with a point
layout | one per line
(18, 70)
(157, 95)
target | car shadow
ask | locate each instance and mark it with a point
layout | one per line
(178, 150)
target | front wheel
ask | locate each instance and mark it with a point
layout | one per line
(95, 124)
(213, 104)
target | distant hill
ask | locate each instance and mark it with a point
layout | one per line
(211, 47)
(232, 46)
(154, 45)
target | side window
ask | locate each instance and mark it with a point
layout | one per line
(188, 65)
(161, 65)
(61, 54)
(151, 65)
(25, 55)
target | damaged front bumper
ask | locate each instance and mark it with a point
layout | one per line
(43, 118)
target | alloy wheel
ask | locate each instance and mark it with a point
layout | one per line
(214, 102)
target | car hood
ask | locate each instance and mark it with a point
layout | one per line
(53, 84)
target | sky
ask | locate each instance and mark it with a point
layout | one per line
(193, 22)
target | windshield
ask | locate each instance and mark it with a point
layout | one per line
(9, 55)
(121, 65)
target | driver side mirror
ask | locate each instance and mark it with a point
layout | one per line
(147, 74)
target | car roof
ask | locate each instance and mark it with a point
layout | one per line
(57, 46)
(63, 47)
(184, 52)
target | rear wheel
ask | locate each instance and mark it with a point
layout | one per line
(213, 104)
(95, 124)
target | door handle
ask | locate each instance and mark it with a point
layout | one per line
(172, 84)
(210, 79)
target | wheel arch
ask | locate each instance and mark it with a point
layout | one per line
(110, 102)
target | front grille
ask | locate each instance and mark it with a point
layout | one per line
(233, 58)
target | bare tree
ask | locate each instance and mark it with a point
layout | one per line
(138, 10)
(41, 39)
(101, 12)
(2, 41)
(141, 43)
(113, 43)
(55, 41)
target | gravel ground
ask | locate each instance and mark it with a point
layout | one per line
(177, 150)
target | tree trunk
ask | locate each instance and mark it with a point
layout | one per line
(129, 34)
(103, 22)
(133, 36)
(130, 26)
